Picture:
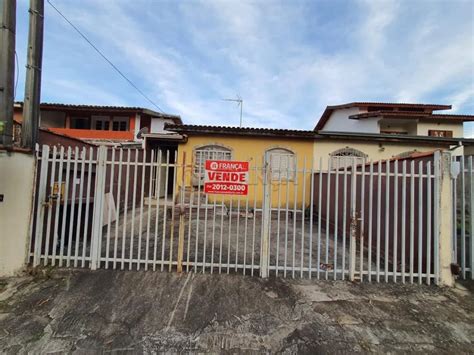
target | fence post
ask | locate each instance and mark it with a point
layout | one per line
(98, 206)
(443, 219)
(265, 221)
(353, 225)
(182, 213)
(41, 205)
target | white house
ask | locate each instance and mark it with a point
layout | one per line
(392, 118)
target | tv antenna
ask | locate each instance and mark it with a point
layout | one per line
(240, 103)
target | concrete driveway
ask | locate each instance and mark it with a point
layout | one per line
(135, 312)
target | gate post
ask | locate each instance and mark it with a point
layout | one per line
(266, 205)
(41, 205)
(443, 219)
(98, 206)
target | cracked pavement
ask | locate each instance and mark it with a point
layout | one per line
(82, 311)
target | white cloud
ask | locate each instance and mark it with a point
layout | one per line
(190, 55)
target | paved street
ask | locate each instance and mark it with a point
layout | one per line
(84, 312)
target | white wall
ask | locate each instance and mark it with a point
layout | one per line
(158, 124)
(339, 122)
(16, 185)
(457, 128)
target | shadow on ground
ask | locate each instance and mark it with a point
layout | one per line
(127, 311)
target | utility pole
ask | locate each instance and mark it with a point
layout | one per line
(7, 69)
(31, 104)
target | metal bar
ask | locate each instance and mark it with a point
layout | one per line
(165, 210)
(201, 172)
(455, 218)
(125, 208)
(362, 222)
(336, 217)
(182, 213)
(371, 203)
(395, 220)
(117, 207)
(50, 205)
(65, 204)
(230, 233)
(344, 223)
(148, 217)
(294, 215)
(420, 222)
(140, 223)
(352, 247)
(254, 218)
(79, 223)
(471, 216)
(328, 216)
(387, 219)
(311, 219)
(109, 208)
(403, 224)
(237, 234)
(246, 226)
(379, 207)
(173, 210)
(88, 192)
(73, 204)
(303, 219)
(221, 237)
(214, 234)
(157, 193)
(437, 182)
(463, 218)
(412, 217)
(134, 197)
(191, 199)
(428, 224)
(286, 222)
(318, 262)
(59, 198)
(277, 256)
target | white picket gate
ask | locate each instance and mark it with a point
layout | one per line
(134, 209)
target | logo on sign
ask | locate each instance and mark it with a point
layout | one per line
(226, 177)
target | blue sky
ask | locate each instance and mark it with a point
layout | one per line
(287, 59)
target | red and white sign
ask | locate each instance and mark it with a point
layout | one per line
(226, 177)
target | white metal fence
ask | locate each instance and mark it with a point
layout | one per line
(101, 208)
(463, 215)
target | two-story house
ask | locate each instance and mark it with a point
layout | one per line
(375, 130)
(109, 125)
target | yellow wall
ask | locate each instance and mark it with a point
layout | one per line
(252, 149)
(456, 127)
(374, 150)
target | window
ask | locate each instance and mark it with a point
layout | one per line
(282, 163)
(346, 157)
(203, 153)
(101, 123)
(440, 133)
(120, 124)
(80, 123)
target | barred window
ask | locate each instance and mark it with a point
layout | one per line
(346, 157)
(209, 152)
(282, 163)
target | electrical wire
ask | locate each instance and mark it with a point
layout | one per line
(104, 57)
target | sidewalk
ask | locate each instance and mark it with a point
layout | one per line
(84, 312)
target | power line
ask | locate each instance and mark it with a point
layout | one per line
(104, 57)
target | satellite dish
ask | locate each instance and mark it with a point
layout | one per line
(141, 132)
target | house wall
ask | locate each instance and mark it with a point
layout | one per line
(252, 149)
(374, 150)
(16, 185)
(52, 119)
(457, 128)
(158, 124)
(339, 122)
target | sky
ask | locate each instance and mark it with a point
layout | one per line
(287, 59)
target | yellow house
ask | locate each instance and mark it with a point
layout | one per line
(286, 153)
